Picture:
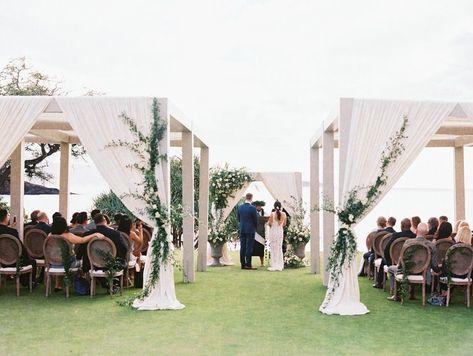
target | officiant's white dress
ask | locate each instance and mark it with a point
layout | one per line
(275, 237)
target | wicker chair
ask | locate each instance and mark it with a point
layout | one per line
(460, 262)
(377, 263)
(34, 242)
(377, 251)
(10, 252)
(53, 256)
(442, 247)
(420, 259)
(97, 262)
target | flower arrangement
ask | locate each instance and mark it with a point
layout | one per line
(292, 261)
(343, 248)
(297, 234)
(225, 181)
(218, 234)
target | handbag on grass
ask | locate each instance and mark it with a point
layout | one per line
(81, 286)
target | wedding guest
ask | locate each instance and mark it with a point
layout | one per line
(390, 225)
(368, 257)
(101, 227)
(135, 231)
(433, 224)
(116, 220)
(91, 225)
(73, 221)
(444, 231)
(8, 229)
(107, 219)
(462, 225)
(59, 227)
(381, 224)
(34, 218)
(405, 232)
(442, 219)
(455, 229)
(415, 220)
(81, 224)
(43, 223)
(57, 214)
(464, 236)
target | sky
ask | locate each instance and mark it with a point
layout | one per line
(256, 77)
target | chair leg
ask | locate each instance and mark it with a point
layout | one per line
(31, 282)
(121, 284)
(423, 293)
(467, 296)
(448, 294)
(67, 291)
(17, 286)
(91, 286)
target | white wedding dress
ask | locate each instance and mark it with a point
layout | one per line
(275, 237)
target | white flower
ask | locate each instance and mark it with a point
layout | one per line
(351, 217)
(158, 215)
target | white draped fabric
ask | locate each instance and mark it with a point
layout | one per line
(17, 117)
(283, 187)
(233, 200)
(97, 122)
(373, 122)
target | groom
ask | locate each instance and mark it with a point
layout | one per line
(248, 218)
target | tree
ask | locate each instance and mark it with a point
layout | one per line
(108, 203)
(17, 78)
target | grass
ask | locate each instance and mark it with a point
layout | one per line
(232, 312)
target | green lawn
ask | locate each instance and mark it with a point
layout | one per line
(235, 312)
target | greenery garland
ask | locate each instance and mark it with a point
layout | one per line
(297, 232)
(67, 260)
(343, 248)
(160, 251)
(112, 266)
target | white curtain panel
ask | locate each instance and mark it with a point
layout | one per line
(97, 122)
(283, 187)
(17, 116)
(373, 122)
(234, 199)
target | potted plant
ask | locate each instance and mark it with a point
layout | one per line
(297, 236)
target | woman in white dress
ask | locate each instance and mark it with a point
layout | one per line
(277, 221)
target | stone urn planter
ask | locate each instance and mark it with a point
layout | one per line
(216, 253)
(300, 250)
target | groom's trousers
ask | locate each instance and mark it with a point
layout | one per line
(247, 242)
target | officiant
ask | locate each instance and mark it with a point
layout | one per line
(260, 238)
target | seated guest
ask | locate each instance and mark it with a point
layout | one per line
(390, 225)
(433, 224)
(456, 227)
(444, 231)
(462, 225)
(73, 221)
(34, 218)
(135, 231)
(81, 222)
(107, 219)
(415, 221)
(116, 220)
(422, 230)
(6, 228)
(91, 225)
(442, 219)
(381, 224)
(59, 227)
(405, 232)
(101, 227)
(43, 223)
(57, 214)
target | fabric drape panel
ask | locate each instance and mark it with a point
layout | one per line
(284, 186)
(233, 200)
(17, 117)
(97, 123)
(373, 122)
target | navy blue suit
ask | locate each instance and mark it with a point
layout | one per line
(248, 218)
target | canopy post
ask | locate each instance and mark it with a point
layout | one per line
(329, 194)
(203, 209)
(459, 169)
(17, 187)
(314, 214)
(188, 206)
(64, 175)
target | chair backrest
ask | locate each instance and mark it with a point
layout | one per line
(10, 249)
(377, 242)
(460, 259)
(396, 248)
(417, 255)
(129, 245)
(103, 244)
(52, 249)
(384, 241)
(34, 242)
(442, 246)
(429, 237)
(146, 239)
(27, 228)
(369, 240)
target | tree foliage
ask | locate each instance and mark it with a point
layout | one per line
(108, 203)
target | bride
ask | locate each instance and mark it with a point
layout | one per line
(277, 221)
